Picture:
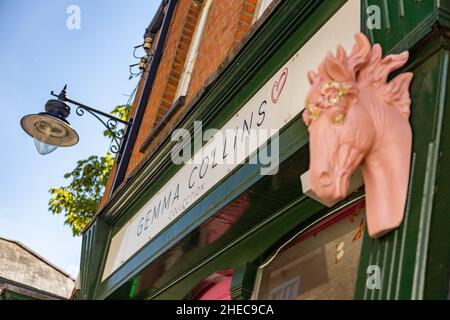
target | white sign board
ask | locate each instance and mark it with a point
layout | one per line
(277, 102)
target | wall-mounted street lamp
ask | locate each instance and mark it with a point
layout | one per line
(50, 129)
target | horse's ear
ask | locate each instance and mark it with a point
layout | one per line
(341, 55)
(397, 93)
(337, 70)
(361, 53)
(312, 76)
(370, 70)
(377, 53)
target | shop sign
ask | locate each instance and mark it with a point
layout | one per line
(278, 101)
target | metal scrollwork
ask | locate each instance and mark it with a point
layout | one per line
(110, 125)
(79, 111)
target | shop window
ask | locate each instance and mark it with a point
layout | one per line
(215, 287)
(287, 291)
(193, 51)
(320, 264)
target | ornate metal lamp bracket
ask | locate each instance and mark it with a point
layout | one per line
(110, 124)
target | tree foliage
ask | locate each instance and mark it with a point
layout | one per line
(122, 112)
(79, 200)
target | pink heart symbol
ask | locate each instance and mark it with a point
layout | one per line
(279, 85)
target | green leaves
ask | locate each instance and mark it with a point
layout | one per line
(79, 200)
(123, 113)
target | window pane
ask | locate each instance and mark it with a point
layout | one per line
(323, 266)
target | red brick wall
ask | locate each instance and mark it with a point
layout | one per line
(169, 72)
(226, 25)
(187, 32)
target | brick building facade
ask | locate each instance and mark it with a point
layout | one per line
(226, 25)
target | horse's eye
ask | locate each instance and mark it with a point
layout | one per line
(338, 118)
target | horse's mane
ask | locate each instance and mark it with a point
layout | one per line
(366, 67)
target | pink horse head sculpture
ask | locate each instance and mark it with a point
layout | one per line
(355, 117)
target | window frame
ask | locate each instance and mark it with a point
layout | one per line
(185, 78)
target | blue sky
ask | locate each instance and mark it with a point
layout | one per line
(38, 53)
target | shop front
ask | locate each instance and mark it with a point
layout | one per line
(246, 228)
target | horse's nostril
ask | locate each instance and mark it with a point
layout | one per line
(325, 179)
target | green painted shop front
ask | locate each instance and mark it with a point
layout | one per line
(262, 213)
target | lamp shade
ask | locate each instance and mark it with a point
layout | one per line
(49, 129)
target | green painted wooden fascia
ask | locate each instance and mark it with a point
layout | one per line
(94, 248)
(436, 277)
(414, 259)
(404, 23)
(243, 281)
